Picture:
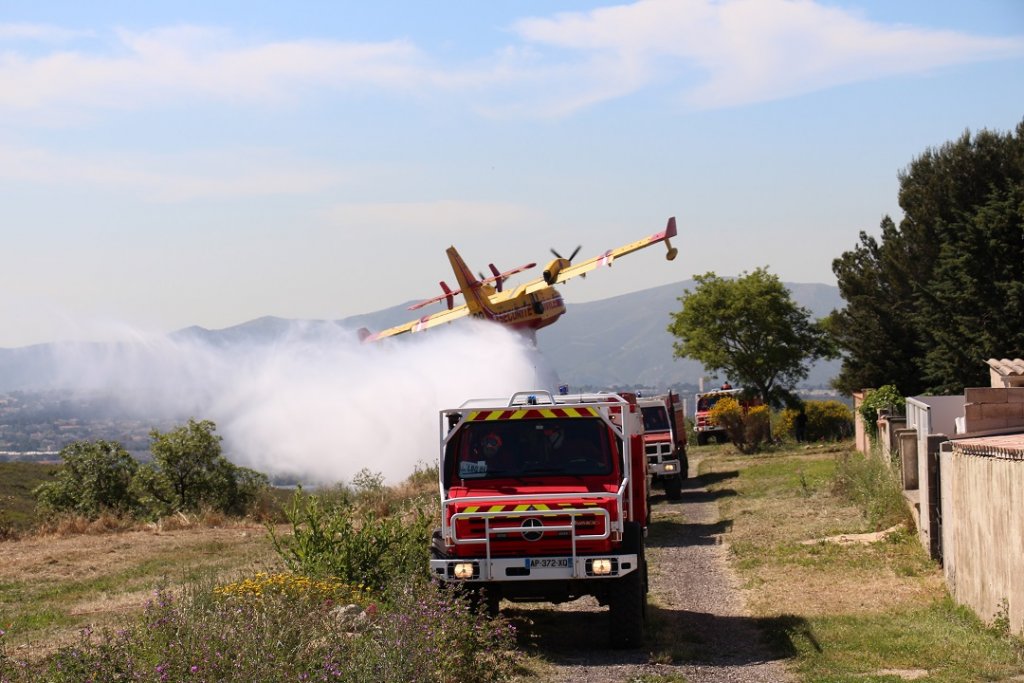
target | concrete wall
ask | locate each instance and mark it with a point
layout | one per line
(983, 532)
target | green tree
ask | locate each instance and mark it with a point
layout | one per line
(750, 329)
(944, 290)
(874, 329)
(95, 476)
(188, 472)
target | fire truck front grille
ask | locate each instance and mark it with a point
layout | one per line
(513, 535)
(656, 451)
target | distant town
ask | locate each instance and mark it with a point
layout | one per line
(35, 426)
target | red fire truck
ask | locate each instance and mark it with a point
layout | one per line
(544, 499)
(665, 442)
(703, 403)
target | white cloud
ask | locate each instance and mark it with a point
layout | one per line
(744, 50)
(712, 53)
(164, 64)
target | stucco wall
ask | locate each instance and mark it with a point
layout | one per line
(983, 533)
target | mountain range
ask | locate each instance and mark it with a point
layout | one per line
(619, 341)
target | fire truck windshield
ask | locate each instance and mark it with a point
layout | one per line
(527, 448)
(708, 401)
(655, 419)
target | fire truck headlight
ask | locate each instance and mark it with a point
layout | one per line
(463, 570)
(670, 468)
(601, 567)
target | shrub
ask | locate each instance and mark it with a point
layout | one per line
(747, 430)
(330, 540)
(758, 425)
(295, 632)
(826, 421)
(189, 473)
(96, 476)
(887, 397)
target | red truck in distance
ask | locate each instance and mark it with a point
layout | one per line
(665, 442)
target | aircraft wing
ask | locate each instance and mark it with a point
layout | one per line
(608, 257)
(424, 323)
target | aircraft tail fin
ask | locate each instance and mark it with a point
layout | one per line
(472, 289)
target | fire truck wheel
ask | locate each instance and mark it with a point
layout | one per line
(627, 603)
(702, 439)
(684, 463)
(674, 487)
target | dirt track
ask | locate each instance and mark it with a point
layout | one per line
(695, 604)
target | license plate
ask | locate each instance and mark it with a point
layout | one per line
(560, 562)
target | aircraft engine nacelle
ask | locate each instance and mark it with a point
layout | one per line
(552, 270)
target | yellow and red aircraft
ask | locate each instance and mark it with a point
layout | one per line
(529, 306)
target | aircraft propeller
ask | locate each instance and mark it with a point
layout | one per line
(571, 256)
(498, 280)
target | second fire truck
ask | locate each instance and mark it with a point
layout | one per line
(665, 442)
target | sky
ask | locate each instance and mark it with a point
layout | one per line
(166, 164)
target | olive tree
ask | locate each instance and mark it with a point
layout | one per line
(750, 329)
(189, 472)
(95, 476)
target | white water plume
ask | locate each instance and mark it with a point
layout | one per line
(313, 403)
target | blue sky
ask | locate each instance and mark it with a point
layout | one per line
(167, 164)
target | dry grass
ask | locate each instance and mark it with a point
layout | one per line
(785, 500)
(55, 583)
(810, 592)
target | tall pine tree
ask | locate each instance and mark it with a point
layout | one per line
(944, 290)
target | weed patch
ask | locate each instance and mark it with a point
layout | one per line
(874, 487)
(332, 540)
(282, 627)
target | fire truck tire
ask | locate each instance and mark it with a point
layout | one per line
(627, 603)
(684, 463)
(702, 439)
(674, 487)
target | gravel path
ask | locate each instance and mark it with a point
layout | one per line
(694, 598)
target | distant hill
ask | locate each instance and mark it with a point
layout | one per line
(618, 341)
(624, 340)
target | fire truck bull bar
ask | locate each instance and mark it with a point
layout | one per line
(525, 568)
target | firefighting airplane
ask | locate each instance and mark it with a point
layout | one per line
(530, 306)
